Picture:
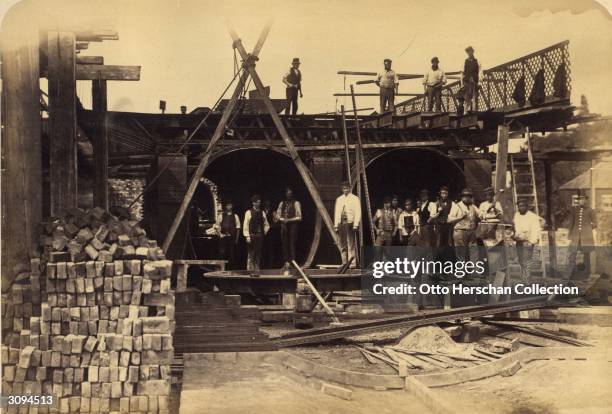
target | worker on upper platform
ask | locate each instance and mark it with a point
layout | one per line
(471, 76)
(434, 80)
(388, 82)
(293, 81)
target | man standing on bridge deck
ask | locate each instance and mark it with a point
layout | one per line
(385, 222)
(388, 82)
(228, 228)
(293, 81)
(347, 216)
(254, 228)
(289, 214)
(433, 81)
(471, 75)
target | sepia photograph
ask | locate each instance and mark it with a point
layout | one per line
(314, 206)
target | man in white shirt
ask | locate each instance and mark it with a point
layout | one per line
(433, 81)
(388, 82)
(465, 216)
(527, 231)
(254, 228)
(347, 216)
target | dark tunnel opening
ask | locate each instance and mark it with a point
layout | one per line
(242, 173)
(404, 172)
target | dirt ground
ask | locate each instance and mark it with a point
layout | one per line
(263, 388)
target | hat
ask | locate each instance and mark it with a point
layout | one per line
(522, 201)
(296, 60)
(345, 183)
(582, 194)
(434, 59)
(387, 60)
(227, 201)
(255, 198)
(469, 49)
(386, 200)
(444, 188)
(466, 191)
(395, 197)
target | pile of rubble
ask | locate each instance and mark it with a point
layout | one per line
(90, 320)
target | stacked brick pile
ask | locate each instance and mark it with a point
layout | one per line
(91, 321)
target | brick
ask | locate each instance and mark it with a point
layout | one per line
(337, 391)
(116, 389)
(90, 344)
(118, 267)
(147, 286)
(109, 269)
(153, 387)
(91, 252)
(104, 374)
(149, 357)
(61, 271)
(92, 374)
(68, 374)
(105, 256)
(25, 357)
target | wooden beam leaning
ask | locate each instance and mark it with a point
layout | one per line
(62, 122)
(195, 179)
(302, 169)
(501, 161)
(107, 72)
(100, 143)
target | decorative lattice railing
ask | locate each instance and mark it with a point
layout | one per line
(539, 78)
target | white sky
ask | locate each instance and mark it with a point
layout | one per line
(185, 50)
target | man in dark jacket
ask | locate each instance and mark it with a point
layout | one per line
(582, 222)
(289, 214)
(471, 75)
(293, 82)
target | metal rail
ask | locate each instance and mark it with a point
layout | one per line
(313, 336)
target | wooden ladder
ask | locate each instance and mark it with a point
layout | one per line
(524, 187)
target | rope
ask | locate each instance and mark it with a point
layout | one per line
(182, 147)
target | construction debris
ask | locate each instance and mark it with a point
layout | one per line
(82, 326)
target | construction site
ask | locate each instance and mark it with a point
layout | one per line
(122, 292)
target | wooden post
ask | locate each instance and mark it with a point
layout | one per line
(550, 217)
(21, 147)
(100, 144)
(329, 310)
(501, 160)
(362, 169)
(346, 148)
(301, 167)
(62, 122)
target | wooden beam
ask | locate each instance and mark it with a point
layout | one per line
(82, 45)
(100, 143)
(108, 72)
(550, 217)
(301, 167)
(62, 122)
(21, 149)
(95, 35)
(501, 160)
(90, 60)
(219, 131)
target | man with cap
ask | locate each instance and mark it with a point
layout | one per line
(408, 224)
(443, 229)
(388, 82)
(293, 82)
(527, 232)
(426, 210)
(289, 214)
(254, 228)
(582, 223)
(471, 75)
(465, 216)
(227, 226)
(347, 216)
(433, 81)
(491, 213)
(385, 222)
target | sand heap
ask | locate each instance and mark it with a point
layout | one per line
(430, 338)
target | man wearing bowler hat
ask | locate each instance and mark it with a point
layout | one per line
(434, 80)
(293, 81)
(388, 82)
(471, 75)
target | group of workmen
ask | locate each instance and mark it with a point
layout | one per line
(388, 82)
(436, 225)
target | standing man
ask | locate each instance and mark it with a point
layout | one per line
(527, 231)
(386, 224)
(397, 210)
(289, 214)
(347, 216)
(491, 210)
(471, 75)
(388, 82)
(254, 228)
(582, 223)
(464, 215)
(425, 210)
(434, 79)
(408, 224)
(443, 229)
(228, 229)
(293, 81)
